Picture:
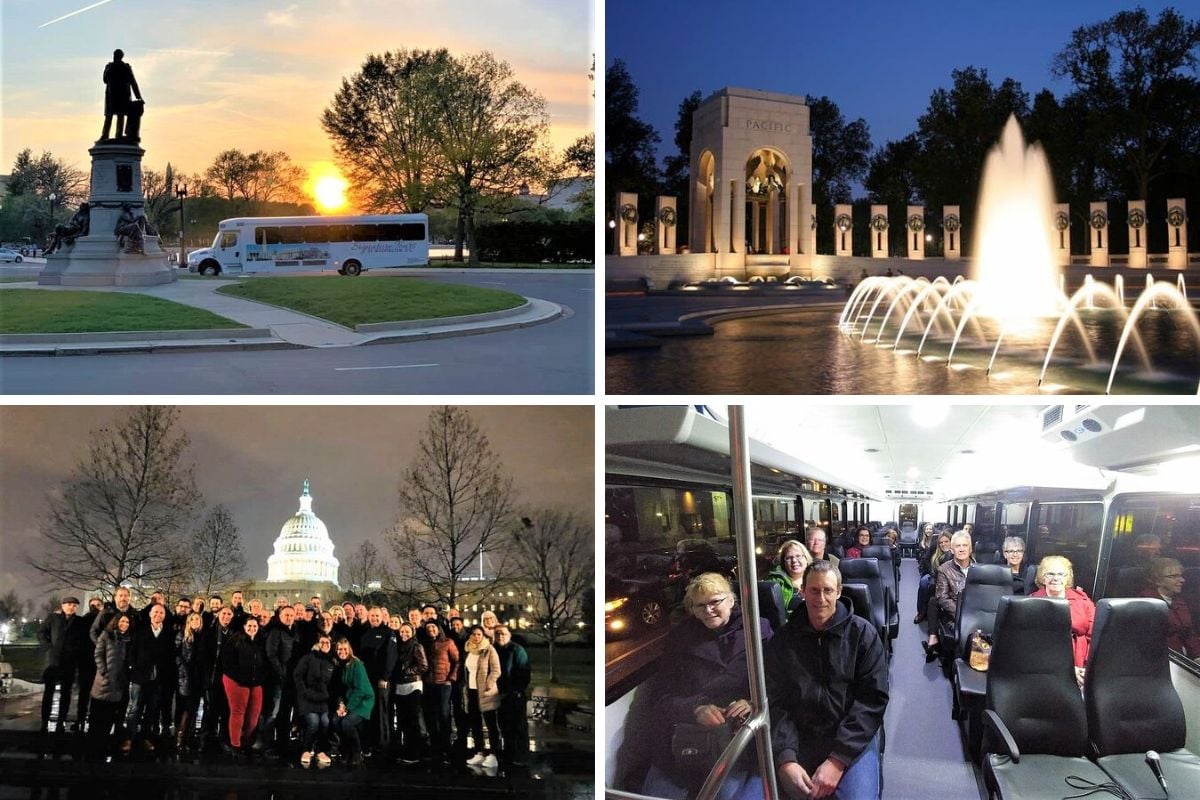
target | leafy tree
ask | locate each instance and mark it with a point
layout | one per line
(227, 173)
(678, 166)
(840, 156)
(217, 557)
(256, 178)
(1140, 78)
(629, 161)
(45, 174)
(366, 571)
(491, 133)
(120, 514)
(554, 553)
(890, 180)
(579, 161)
(162, 206)
(454, 505)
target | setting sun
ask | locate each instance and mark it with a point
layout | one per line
(327, 187)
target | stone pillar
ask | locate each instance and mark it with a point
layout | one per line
(720, 218)
(1137, 233)
(1098, 231)
(1062, 234)
(737, 243)
(627, 224)
(97, 259)
(755, 243)
(916, 232)
(797, 220)
(666, 217)
(879, 229)
(952, 229)
(1177, 244)
(843, 229)
(771, 245)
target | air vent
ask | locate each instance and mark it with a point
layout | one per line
(1051, 417)
(871, 450)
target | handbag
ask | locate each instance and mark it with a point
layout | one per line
(981, 651)
(696, 748)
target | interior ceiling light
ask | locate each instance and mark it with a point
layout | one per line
(928, 416)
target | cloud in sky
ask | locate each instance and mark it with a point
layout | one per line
(257, 74)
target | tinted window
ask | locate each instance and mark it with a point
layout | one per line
(339, 233)
(1071, 530)
(267, 236)
(389, 232)
(412, 232)
(363, 233)
(291, 234)
(228, 239)
(316, 234)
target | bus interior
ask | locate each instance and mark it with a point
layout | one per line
(694, 489)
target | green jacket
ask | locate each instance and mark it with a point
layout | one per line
(357, 693)
(785, 584)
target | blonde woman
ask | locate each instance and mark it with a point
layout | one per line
(190, 672)
(488, 621)
(793, 558)
(1057, 579)
(481, 674)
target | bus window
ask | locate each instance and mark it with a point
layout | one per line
(291, 234)
(660, 517)
(339, 233)
(412, 232)
(773, 516)
(1071, 530)
(228, 239)
(267, 236)
(316, 234)
(389, 232)
(364, 233)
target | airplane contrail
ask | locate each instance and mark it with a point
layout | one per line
(73, 13)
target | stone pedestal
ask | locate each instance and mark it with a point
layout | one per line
(1177, 244)
(666, 218)
(627, 224)
(915, 221)
(1061, 227)
(1098, 231)
(1136, 220)
(879, 229)
(843, 229)
(952, 228)
(96, 259)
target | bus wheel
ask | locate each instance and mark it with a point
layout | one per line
(210, 266)
(351, 268)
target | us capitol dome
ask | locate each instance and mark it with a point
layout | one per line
(303, 551)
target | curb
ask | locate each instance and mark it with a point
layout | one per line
(383, 327)
(553, 312)
(132, 336)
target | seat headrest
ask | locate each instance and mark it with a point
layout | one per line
(880, 551)
(859, 568)
(990, 574)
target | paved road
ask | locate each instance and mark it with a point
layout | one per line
(555, 358)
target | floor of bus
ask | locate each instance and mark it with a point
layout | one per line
(925, 755)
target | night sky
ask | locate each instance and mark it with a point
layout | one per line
(877, 61)
(253, 459)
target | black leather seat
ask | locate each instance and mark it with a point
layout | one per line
(976, 611)
(860, 600)
(1132, 706)
(888, 564)
(1035, 728)
(883, 605)
(1127, 582)
(770, 604)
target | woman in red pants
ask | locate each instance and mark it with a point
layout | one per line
(244, 660)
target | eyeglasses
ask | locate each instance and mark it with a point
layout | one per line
(1173, 576)
(1013, 552)
(712, 605)
(1054, 575)
(794, 558)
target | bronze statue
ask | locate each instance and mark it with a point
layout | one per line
(76, 227)
(119, 80)
(130, 231)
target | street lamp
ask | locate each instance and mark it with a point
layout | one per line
(50, 224)
(181, 193)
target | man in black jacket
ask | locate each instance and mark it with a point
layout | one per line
(61, 633)
(378, 651)
(279, 692)
(85, 662)
(458, 634)
(827, 685)
(151, 674)
(119, 605)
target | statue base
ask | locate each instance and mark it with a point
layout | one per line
(98, 261)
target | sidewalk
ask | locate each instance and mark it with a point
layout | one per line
(269, 326)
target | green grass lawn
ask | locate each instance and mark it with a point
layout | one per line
(356, 301)
(574, 665)
(41, 311)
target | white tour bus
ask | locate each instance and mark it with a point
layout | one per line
(349, 244)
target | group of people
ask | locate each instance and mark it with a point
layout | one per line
(421, 686)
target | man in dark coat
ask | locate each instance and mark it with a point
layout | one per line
(378, 651)
(458, 634)
(216, 705)
(118, 82)
(119, 605)
(827, 686)
(85, 661)
(61, 633)
(151, 674)
(279, 691)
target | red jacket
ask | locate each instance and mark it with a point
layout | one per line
(1083, 614)
(1181, 635)
(442, 655)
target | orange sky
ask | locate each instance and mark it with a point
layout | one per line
(256, 75)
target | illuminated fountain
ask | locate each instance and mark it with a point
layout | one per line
(1016, 309)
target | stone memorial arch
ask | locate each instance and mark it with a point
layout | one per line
(751, 193)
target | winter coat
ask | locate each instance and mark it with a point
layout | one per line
(442, 655)
(215, 640)
(827, 689)
(282, 653)
(790, 592)
(189, 664)
(377, 650)
(1083, 613)
(152, 658)
(105, 616)
(699, 667)
(951, 578)
(62, 634)
(515, 672)
(356, 689)
(244, 660)
(112, 666)
(411, 663)
(313, 676)
(487, 675)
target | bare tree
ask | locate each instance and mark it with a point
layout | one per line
(454, 505)
(119, 514)
(366, 567)
(217, 560)
(555, 554)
